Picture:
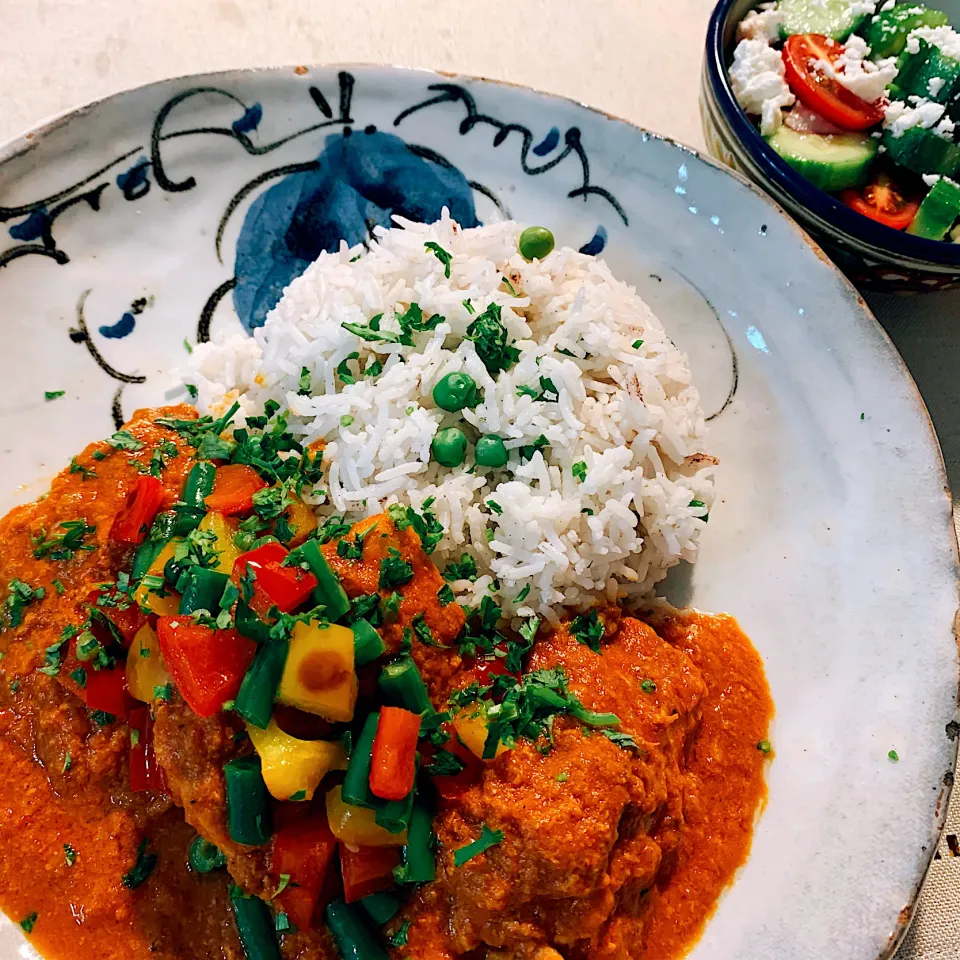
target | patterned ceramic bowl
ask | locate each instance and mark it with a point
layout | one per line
(871, 254)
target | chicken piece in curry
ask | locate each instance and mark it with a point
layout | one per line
(228, 729)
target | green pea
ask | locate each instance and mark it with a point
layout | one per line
(491, 451)
(449, 447)
(455, 391)
(535, 243)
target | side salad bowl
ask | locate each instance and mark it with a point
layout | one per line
(873, 255)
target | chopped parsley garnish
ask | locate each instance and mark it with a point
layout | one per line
(489, 336)
(134, 737)
(426, 525)
(637, 344)
(394, 570)
(410, 322)
(59, 587)
(892, 755)
(192, 391)
(373, 369)
(67, 763)
(79, 677)
(587, 629)
(346, 420)
(488, 838)
(562, 777)
(298, 796)
(423, 632)
(466, 569)
(548, 391)
(167, 450)
(469, 307)
(445, 595)
(282, 924)
(445, 764)
(343, 370)
(522, 595)
(53, 394)
(623, 740)
(66, 544)
(332, 528)
(443, 256)
(529, 449)
(85, 472)
(366, 607)
(140, 872)
(351, 551)
(101, 718)
(495, 507)
(699, 504)
(399, 939)
(764, 746)
(29, 922)
(124, 440)
(164, 693)
(648, 686)
(305, 383)
(579, 470)
(187, 346)
(197, 549)
(270, 502)
(391, 606)
(19, 596)
(69, 854)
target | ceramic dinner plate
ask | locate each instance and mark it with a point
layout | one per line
(179, 211)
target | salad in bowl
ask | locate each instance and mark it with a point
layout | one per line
(863, 101)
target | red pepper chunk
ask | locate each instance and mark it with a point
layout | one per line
(233, 488)
(123, 612)
(275, 585)
(207, 665)
(145, 772)
(303, 851)
(143, 502)
(394, 764)
(367, 870)
(107, 690)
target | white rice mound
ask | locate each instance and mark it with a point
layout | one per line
(629, 412)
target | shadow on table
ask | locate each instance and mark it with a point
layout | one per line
(926, 331)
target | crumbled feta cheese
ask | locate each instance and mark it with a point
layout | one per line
(889, 5)
(945, 128)
(900, 117)
(860, 8)
(930, 178)
(862, 77)
(946, 39)
(761, 24)
(756, 76)
(935, 85)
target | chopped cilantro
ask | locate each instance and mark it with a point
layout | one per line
(298, 796)
(101, 718)
(623, 740)
(445, 764)
(140, 872)
(399, 939)
(466, 569)
(332, 528)
(445, 258)
(506, 282)
(562, 777)
(124, 440)
(488, 838)
(164, 693)
(637, 344)
(587, 629)
(490, 339)
(192, 391)
(529, 449)
(19, 596)
(648, 686)
(281, 922)
(391, 606)
(134, 737)
(522, 595)
(59, 587)
(445, 595)
(85, 472)
(343, 370)
(469, 307)
(187, 346)
(346, 420)
(764, 746)
(892, 755)
(53, 394)
(67, 763)
(79, 677)
(284, 883)
(270, 502)
(495, 507)
(394, 570)
(423, 632)
(29, 922)
(66, 544)
(305, 383)
(579, 470)
(69, 854)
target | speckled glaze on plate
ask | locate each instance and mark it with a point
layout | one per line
(180, 210)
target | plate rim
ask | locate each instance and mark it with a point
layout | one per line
(30, 139)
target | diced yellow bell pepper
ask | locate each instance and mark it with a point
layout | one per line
(291, 767)
(217, 524)
(165, 606)
(145, 667)
(472, 729)
(357, 826)
(319, 677)
(302, 521)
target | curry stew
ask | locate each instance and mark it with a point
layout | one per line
(228, 732)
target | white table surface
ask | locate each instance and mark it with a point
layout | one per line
(638, 59)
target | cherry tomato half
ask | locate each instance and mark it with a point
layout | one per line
(882, 201)
(819, 92)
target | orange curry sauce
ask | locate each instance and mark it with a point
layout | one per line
(71, 828)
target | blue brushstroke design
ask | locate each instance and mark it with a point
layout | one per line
(134, 183)
(755, 339)
(250, 120)
(596, 244)
(122, 328)
(37, 225)
(362, 181)
(548, 143)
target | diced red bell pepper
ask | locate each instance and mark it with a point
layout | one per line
(394, 764)
(145, 772)
(367, 870)
(122, 611)
(483, 670)
(107, 690)
(303, 850)
(207, 665)
(275, 585)
(233, 488)
(454, 786)
(143, 502)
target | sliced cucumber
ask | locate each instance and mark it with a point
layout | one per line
(923, 151)
(929, 63)
(829, 161)
(833, 18)
(887, 32)
(938, 212)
